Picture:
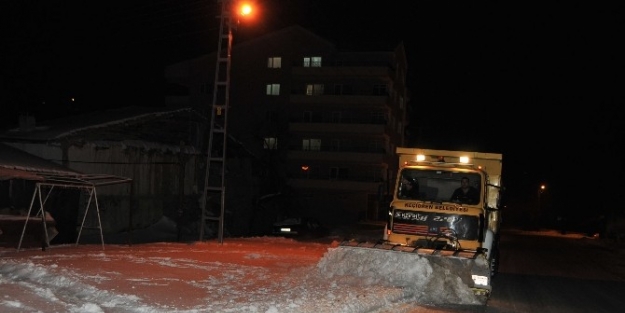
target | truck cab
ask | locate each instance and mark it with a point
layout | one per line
(425, 213)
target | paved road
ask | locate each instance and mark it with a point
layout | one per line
(553, 274)
(548, 272)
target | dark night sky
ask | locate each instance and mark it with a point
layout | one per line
(535, 82)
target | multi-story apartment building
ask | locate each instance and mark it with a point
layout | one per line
(329, 119)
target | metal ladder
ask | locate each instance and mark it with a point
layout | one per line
(215, 178)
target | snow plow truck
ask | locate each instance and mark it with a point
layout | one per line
(443, 236)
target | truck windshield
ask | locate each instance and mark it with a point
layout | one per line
(439, 186)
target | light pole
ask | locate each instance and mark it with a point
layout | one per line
(540, 192)
(215, 187)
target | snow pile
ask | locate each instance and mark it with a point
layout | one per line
(61, 293)
(432, 279)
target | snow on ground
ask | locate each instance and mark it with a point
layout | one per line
(259, 274)
(240, 275)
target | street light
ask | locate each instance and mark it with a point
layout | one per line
(231, 11)
(540, 192)
(245, 9)
(537, 216)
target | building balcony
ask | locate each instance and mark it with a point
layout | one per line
(344, 128)
(360, 71)
(372, 187)
(362, 100)
(373, 156)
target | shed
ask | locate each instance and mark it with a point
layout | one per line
(46, 177)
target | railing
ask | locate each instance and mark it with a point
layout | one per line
(328, 177)
(369, 61)
(353, 91)
(339, 149)
(323, 117)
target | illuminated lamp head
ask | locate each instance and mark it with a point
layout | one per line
(245, 10)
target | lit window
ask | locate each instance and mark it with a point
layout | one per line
(312, 62)
(273, 89)
(270, 143)
(274, 62)
(311, 144)
(314, 89)
(316, 62)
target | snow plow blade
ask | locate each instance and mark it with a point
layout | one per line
(434, 276)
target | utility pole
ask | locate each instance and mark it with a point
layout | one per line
(215, 177)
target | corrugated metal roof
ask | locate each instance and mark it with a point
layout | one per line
(153, 129)
(147, 128)
(13, 160)
(17, 164)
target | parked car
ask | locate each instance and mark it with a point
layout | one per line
(299, 227)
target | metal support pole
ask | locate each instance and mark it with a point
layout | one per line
(217, 138)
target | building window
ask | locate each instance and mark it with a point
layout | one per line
(338, 89)
(270, 143)
(376, 146)
(274, 62)
(314, 89)
(401, 102)
(206, 89)
(348, 90)
(335, 145)
(316, 62)
(307, 117)
(312, 62)
(376, 174)
(378, 118)
(338, 173)
(271, 116)
(273, 89)
(379, 90)
(336, 117)
(311, 144)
